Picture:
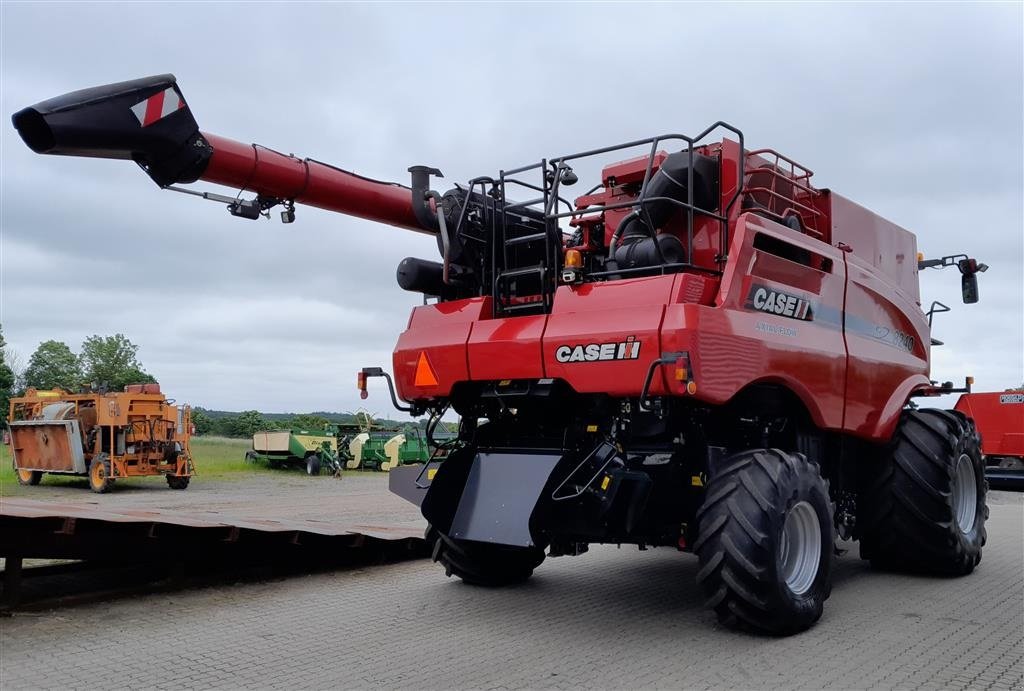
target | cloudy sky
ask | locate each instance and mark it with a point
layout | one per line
(913, 110)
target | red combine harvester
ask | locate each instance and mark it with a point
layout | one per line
(1000, 420)
(703, 351)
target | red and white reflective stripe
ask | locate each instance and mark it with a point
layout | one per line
(157, 106)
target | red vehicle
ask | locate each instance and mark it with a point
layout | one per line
(705, 351)
(1000, 420)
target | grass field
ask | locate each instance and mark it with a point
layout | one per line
(216, 458)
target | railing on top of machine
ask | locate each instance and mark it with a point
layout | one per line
(550, 201)
(782, 194)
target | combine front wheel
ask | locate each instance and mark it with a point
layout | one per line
(924, 508)
(478, 563)
(765, 542)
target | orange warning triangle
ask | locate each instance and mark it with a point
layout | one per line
(424, 372)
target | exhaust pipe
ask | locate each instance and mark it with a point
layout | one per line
(145, 120)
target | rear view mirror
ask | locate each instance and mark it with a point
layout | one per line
(969, 287)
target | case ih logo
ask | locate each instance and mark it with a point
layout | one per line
(1011, 398)
(596, 352)
(776, 302)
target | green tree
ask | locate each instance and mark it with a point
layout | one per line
(247, 423)
(113, 361)
(6, 380)
(53, 365)
(201, 421)
(309, 421)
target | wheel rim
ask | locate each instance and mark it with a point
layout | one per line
(25, 475)
(965, 494)
(801, 547)
(98, 474)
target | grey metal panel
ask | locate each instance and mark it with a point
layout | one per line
(500, 495)
(410, 482)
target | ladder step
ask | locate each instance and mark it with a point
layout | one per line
(516, 273)
(524, 239)
(519, 307)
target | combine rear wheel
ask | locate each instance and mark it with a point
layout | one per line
(765, 542)
(29, 477)
(478, 563)
(924, 508)
(99, 474)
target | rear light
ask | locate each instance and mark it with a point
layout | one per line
(683, 373)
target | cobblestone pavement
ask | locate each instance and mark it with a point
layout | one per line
(611, 618)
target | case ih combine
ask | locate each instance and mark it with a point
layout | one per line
(703, 351)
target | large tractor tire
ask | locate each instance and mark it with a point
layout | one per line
(29, 477)
(99, 474)
(478, 563)
(312, 464)
(924, 507)
(765, 542)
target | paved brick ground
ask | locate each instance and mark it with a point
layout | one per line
(611, 618)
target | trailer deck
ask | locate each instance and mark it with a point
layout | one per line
(301, 523)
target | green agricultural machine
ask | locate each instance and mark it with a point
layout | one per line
(366, 450)
(312, 450)
(387, 449)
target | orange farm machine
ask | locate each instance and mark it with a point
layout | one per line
(703, 351)
(105, 436)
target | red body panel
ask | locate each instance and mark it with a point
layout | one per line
(1000, 419)
(739, 344)
(507, 348)
(886, 332)
(442, 331)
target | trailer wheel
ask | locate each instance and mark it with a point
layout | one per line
(29, 477)
(99, 474)
(481, 564)
(924, 507)
(312, 465)
(177, 481)
(250, 457)
(765, 542)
